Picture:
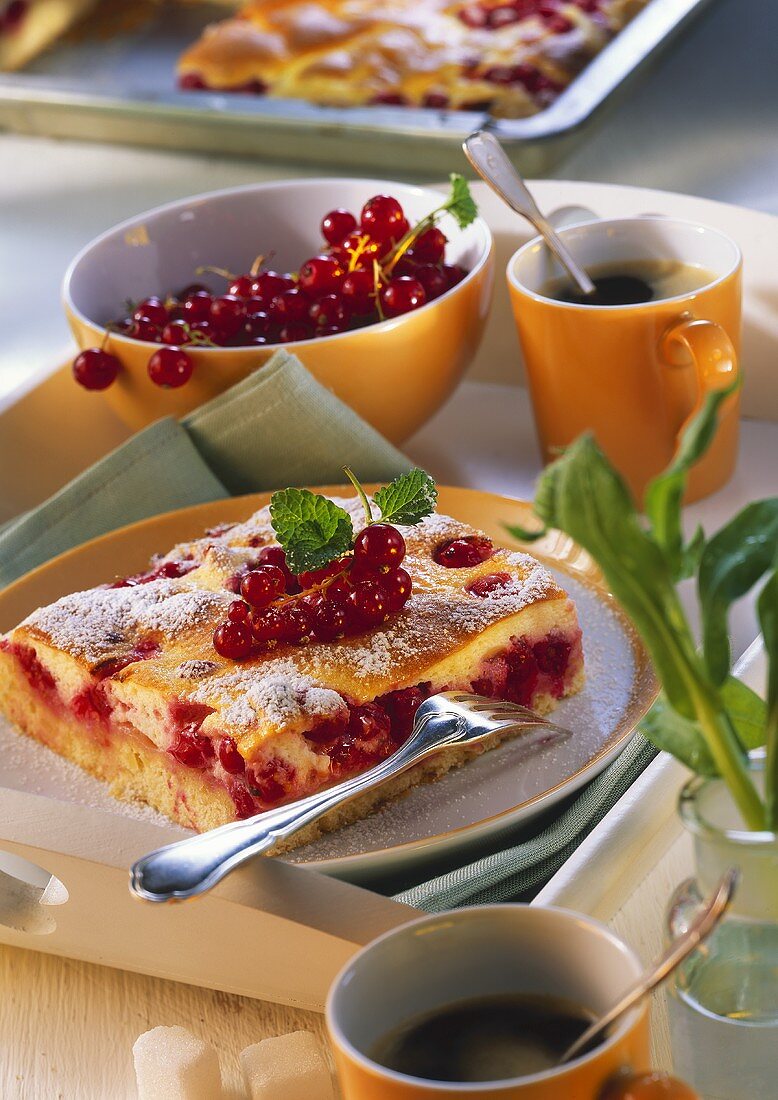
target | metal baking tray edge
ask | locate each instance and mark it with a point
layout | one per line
(367, 137)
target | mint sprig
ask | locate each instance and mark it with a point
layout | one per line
(460, 204)
(312, 529)
(407, 499)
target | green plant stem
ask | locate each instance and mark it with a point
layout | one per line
(362, 495)
(728, 756)
(771, 768)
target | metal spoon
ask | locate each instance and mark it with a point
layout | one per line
(699, 930)
(490, 161)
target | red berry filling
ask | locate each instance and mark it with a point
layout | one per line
(465, 552)
(525, 670)
(38, 677)
(484, 586)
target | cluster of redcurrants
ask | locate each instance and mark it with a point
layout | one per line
(342, 288)
(347, 596)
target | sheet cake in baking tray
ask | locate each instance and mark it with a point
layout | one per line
(113, 78)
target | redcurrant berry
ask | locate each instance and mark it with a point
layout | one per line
(232, 640)
(267, 624)
(484, 586)
(170, 367)
(330, 312)
(262, 585)
(383, 218)
(358, 289)
(397, 587)
(144, 329)
(329, 621)
(227, 315)
(402, 295)
(242, 287)
(379, 547)
(368, 603)
(197, 306)
(274, 555)
(95, 369)
(238, 612)
(321, 275)
(290, 305)
(177, 333)
(430, 246)
(337, 224)
(154, 309)
(432, 279)
(269, 284)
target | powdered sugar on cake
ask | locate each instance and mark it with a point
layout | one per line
(275, 692)
(101, 621)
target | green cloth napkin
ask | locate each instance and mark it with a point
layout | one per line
(525, 867)
(278, 427)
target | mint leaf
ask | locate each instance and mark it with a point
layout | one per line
(407, 499)
(461, 204)
(312, 530)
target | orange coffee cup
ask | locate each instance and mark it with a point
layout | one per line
(633, 374)
(478, 952)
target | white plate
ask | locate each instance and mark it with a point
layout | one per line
(452, 816)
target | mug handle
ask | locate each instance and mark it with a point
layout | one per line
(705, 345)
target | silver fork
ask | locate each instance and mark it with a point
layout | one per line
(193, 866)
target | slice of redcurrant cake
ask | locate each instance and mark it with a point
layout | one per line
(221, 683)
(27, 27)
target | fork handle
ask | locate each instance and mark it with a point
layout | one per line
(194, 865)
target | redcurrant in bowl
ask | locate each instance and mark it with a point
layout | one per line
(395, 373)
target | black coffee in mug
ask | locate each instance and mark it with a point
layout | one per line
(631, 283)
(484, 1038)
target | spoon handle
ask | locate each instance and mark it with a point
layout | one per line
(678, 950)
(491, 163)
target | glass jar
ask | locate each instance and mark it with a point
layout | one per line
(723, 1001)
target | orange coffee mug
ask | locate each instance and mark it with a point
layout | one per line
(634, 374)
(481, 952)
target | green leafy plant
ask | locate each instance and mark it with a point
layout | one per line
(704, 716)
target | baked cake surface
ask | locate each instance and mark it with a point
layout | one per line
(125, 680)
(27, 27)
(511, 59)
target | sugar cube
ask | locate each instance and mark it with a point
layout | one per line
(289, 1067)
(173, 1064)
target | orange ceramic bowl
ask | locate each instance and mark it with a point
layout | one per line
(395, 374)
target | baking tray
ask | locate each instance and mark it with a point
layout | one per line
(121, 88)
